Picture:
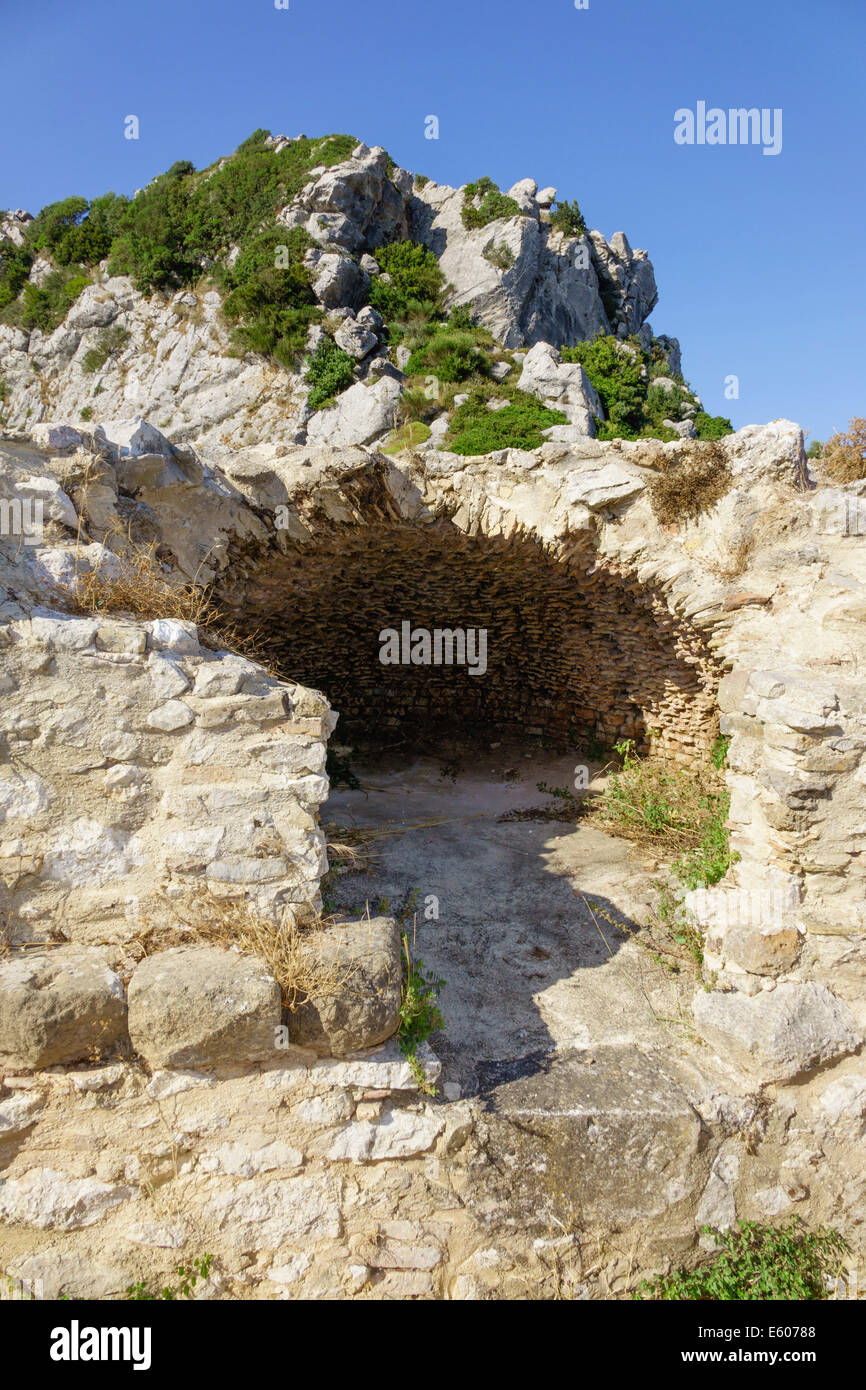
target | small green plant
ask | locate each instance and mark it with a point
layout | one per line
(331, 370)
(419, 1013)
(87, 412)
(113, 339)
(757, 1263)
(568, 218)
(561, 793)
(422, 180)
(483, 203)
(719, 751)
(501, 256)
(188, 1277)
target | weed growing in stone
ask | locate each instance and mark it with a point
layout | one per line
(188, 1277)
(684, 814)
(692, 483)
(111, 340)
(754, 1262)
(419, 1013)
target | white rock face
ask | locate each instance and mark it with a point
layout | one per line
(562, 386)
(361, 414)
(47, 1200)
(553, 289)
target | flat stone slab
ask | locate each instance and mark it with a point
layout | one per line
(602, 1131)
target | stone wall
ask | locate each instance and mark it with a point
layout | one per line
(141, 767)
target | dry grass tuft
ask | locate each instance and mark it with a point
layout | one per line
(289, 949)
(736, 561)
(143, 589)
(691, 482)
(844, 456)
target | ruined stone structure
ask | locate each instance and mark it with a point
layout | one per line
(142, 767)
(157, 1095)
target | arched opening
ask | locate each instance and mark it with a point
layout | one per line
(579, 653)
(493, 638)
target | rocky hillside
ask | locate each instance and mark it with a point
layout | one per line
(311, 291)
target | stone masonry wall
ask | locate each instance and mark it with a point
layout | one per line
(141, 766)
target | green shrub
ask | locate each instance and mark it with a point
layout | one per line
(476, 430)
(330, 371)
(451, 356)
(86, 412)
(256, 141)
(15, 263)
(619, 380)
(416, 282)
(568, 218)
(492, 204)
(45, 306)
(635, 407)
(711, 426)
(270, 298)
(421, 180)
(182, 223)
(51, 225)
(112, 339)
(501, 256)
(757, 1263)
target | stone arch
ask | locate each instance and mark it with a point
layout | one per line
(579, 644)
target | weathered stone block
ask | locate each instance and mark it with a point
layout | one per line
(782, 1033)
(607, 1127)
(58, 1006)
(762, 952)
(367, 1010)
(201, 1006)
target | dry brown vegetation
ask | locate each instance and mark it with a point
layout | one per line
(692, 481)
(844, 456)
(142, 589)
(288, 948)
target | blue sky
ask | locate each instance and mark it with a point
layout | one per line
(757, 257)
